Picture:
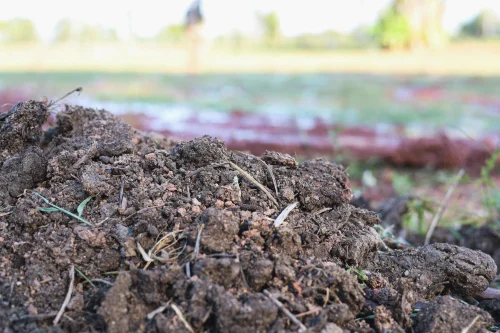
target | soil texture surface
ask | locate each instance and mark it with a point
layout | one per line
(107, 229)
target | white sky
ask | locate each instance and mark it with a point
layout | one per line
(223, 16)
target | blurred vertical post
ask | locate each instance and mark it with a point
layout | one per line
(194, 33)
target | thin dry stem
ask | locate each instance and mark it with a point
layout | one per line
(142, 210)
(158, 310)
(198, 240)
(256, 183)
(436, 218)
(181, 317)
(68, 295)
(79, 90)
(303, 314)
(466, 330)
(280, 305)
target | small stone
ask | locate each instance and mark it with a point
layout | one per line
(219, 204)
(128, 250)
(149, 156)
(171, 188)
(196, 209)
(76, 303)
(31, 309)
(269, 212)
(181, 211)
(228, 204)
(196, 202)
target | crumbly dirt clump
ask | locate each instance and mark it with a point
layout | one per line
(180, 237)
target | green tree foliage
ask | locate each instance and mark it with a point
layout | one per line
(270, 25)
(64, 31)
(411, 23)
(393, 30)
(485, 24)
(18, 31)
(67, 30)
(171, 34)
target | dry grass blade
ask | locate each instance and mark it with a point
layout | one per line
(182, 318)
(158, 310)
(165, 245)
(321, 211)
(143, 253)
(280, 305)
(466, 330)
(198, 240)
(68, 295)
(283, 215)
(5, 214)
(78, 90)
(256, 183)
(436, 218)
(270, 170)
(142, 210)
(307, 313)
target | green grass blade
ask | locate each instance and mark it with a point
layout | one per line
(85, 277)
(79, 218)
(48, 210)
(82, 205)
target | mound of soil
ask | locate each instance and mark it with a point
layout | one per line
(129, 232)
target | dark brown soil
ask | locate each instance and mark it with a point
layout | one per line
(182, 240)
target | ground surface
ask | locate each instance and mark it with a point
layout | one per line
(185, 237)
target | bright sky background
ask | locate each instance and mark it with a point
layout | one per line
(223, 16)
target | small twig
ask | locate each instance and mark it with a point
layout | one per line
(280, 305)
(68, 295)
(121, 192)
(5, 214)
(321, 211)
(158, 310)
(36, 317)
(188, 269)
(283, 215)
(436, 218)
(181, 317)
(102, 281)
(466, 330)
(256, 183)
(198, 241)
(78, 90)
(303, 314)
(142, 210)
(270, 170)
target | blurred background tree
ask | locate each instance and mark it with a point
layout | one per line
(411, 24)
(67, 30)
(171, 34)
(18, 31)
(270, 26)
(485, 25)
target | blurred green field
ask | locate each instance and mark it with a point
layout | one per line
(425, 102)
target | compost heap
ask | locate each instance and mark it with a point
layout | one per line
(152, 236)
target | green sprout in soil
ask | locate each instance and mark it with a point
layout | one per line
(414, 219)
(490, 190)
(85, 277)
(53, 208)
